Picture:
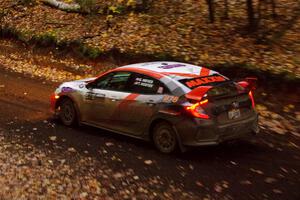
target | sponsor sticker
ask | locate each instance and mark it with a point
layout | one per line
(81, 86)
(205, 80)
(171, 66)
(144, 82)
(90, 96)
(67, 89)
(170, 99)
(160, 90)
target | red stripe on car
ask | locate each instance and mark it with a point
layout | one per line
(131, 97)
(204, 71)
(124, 102)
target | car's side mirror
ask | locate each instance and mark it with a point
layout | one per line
(249, 82)
(90, 85)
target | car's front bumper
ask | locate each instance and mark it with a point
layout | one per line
(53, 101)
(199, 132)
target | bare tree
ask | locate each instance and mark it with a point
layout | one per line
(273, 3)
(264, 4)
(226, 9)
(211, 10)
(251, 15)
(263, 7)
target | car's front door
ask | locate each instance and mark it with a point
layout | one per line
(103, 99)
(138, 108)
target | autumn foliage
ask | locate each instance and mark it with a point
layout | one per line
(254, 34)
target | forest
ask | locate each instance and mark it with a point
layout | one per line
(255, 34)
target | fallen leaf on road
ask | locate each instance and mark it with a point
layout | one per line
(298, 116)
(232, 162)
(277, 191)
(225, 184)
(118, 175)
(285, 170)
(257, 171)
(71, 149)
(245, 182)
(83, 195)
(295, 134)
(198, 183)
(109, 144)
(148, 162)
(270, 180)
(52, 138)
(218, 188)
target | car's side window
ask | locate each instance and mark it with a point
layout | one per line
(118, 81)
(143, 84)
(102, 82)
(113, 81)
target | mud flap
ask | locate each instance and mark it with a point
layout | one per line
(255, 128)
(181, 146)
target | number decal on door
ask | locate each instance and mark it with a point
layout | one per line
(89, 96)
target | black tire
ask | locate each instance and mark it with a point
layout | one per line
(164, 138)
(67, 112)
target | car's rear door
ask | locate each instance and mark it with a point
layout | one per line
(102, 101)
(137, 109)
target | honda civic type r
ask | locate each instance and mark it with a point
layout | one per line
(172, 104)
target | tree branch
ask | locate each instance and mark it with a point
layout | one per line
(74, 7)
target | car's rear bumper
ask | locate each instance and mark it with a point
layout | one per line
(208, 132)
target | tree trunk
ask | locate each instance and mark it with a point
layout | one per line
(251, 15)
(63, 6)
(226, 9)
(273, 3)
(211, 10)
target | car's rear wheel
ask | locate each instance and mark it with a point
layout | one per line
(67, 112)
(164, 138)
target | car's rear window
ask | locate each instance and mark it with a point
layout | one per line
(199, 81)
(224, 89)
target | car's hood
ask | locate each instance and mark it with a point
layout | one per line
(85, 80)
(75, 85)
(81, 81)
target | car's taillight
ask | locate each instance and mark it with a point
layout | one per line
(252, 99)
(197, 111)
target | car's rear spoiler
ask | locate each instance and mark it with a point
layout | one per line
(200, 85)
(198, 93)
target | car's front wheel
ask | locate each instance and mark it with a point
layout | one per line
(67, 112)
(164, 138)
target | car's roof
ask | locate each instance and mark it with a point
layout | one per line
(174, 70)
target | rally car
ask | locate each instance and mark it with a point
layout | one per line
(172, 104)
